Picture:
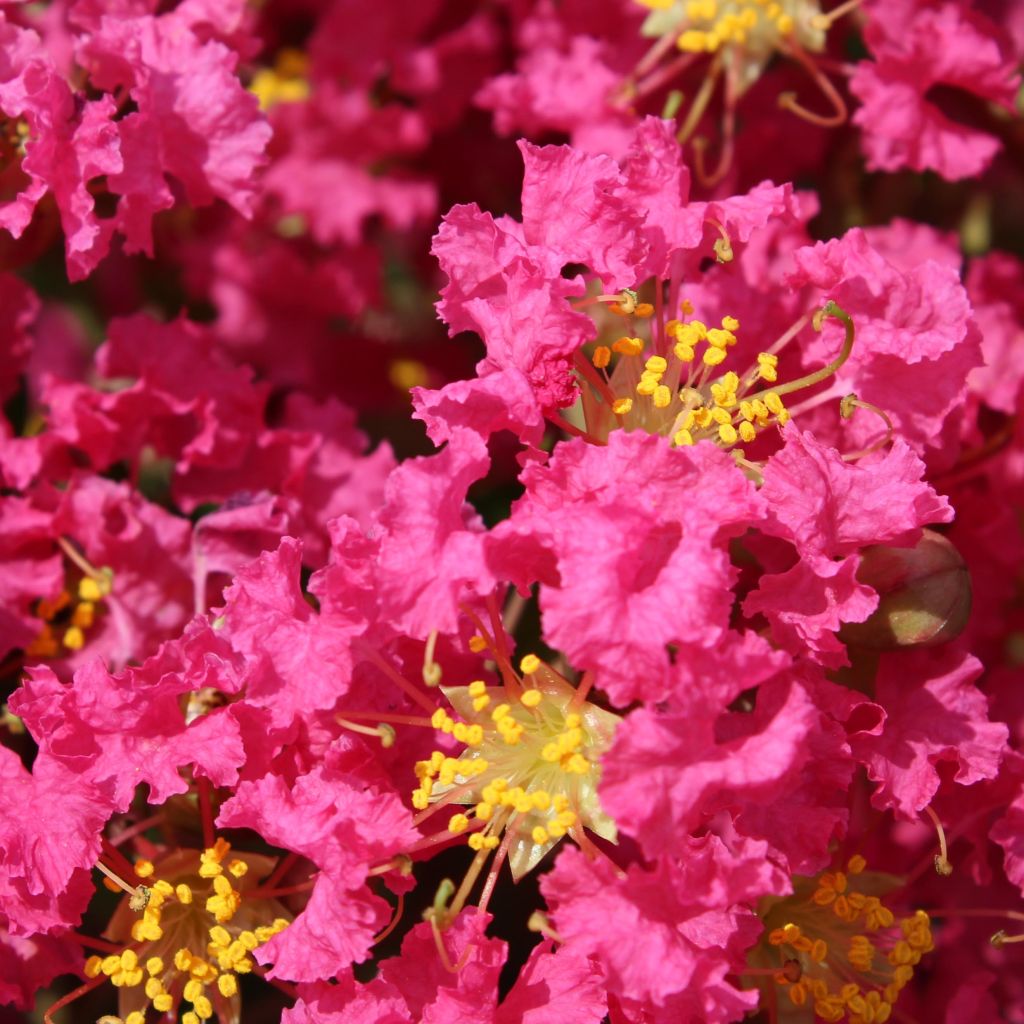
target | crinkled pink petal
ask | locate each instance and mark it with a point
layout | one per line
(302, 663)
(342, 815)
(638, 565)
(561, 983)
(194, 121)
(431, 541)
(573, 214)
(563, 90)
(29, 963)
(935, 713)
(335, 929)
(50, 825)
(995, 284)
(124, 730)
(339, 478)
(831, 508)
(348, 1002)
(676, 928)
(69, 144)
(666, 772)
(435, 995)
(941, 45)
(500, 288)
(1008, 832)
(150, 599)
(503, 400)
(310, 187)
(806, 606)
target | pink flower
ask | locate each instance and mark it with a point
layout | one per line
(49, 838)
(669, 934)
(934, 713)
(194, 120)
(66, 145)
(630, 558)
(917, 47)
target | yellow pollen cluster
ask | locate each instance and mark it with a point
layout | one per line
(717, 410)
(714, 24)
(834, 933)
(66, 619)
(286, 82)
(532, 772)
(166, 976)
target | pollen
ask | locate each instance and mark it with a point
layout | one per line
(534, 773)
(839, 950)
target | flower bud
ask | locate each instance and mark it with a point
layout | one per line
(924, 595)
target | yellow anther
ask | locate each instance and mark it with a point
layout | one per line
(602, 356)
(683, 438)
(662, 397)
(474, 735)
(73, 639)
(438, 718)
(577, 764)
(621, 406)
(647, 385)
(477, 688)
(573, 720)
(500, 712)
(193, 989)
(479, 703)
(220, 935)
(228, 985)
(730, 323)
(747, 432)
(629, 346)
(93, 967)
(530, 664)
(695, 41)
(785, 24)
(720, 416)
(459, 823)
(420, 799)
(476, 841)
(556, 829)
(163, 1002)
(135, 1017)
(154, 988)
(656, 365)
(541, 799)
(129, 960)
(203, 1008)
(721, 339)
(684, 353)
(84, 615)
(539, 835)
(714, 356)
(477, 644)
(182, 959)
(143, 868)
(238, 868)
(90, 589)
(531, 698)
(774, 403)
(146, 931)
(484, 810)
(460, 732)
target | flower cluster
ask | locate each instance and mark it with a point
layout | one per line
(607, 611)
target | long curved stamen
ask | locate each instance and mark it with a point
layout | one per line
(788, 100)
